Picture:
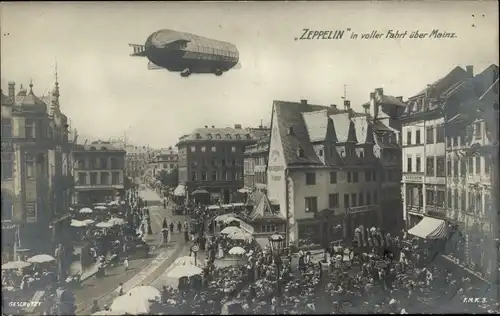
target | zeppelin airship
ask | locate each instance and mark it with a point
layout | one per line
(187, 53)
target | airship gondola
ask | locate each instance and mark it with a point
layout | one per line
(187, 53)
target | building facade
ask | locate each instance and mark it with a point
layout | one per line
(255, 165)
(323, 170)
(165, 160)
(441, 180)
(36, 182)
(212, 159)
(98, 170)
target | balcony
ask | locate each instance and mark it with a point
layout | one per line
(435, 180)
(413, 177)
(416, 209)
(436, 211)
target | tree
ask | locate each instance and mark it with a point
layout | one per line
(169, 178)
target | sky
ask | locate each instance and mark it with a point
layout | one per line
(106, 93)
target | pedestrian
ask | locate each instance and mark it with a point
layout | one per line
(179, 227)
(165, 204)
(171, 227)
(164, 225)
(120, 289)
(95, 307)
(125, 263)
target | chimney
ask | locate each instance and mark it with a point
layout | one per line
(12, 90)
(380, 91)
(237, 126)
(400, 99)
(303, 101)
(470, 70)
(373, 104)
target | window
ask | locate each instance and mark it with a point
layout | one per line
(477, 129)
(375, 197)
(333, 177)
(114, 163)
(449, 168)
(269, 228)
(361, 198)
(417, 137)
(430, 166)
(233, 149)
(209, 136)
(333, 200)
(193, 176)
(82, 178)
(440, 166)
(463, 167)
(311, 204)
(223, 162)
(346, 200)
(368, 177)
(430, 197)
(7, 208)
(455, 168)
(487, 164)
(463, 205)
(408, 138)
(214, 149)
(440, 198)
(193, 149)
(355, 176)
(104, 178)
(320, 152)
(115, 178)
(104, 163)
(29, 128)
(354, 199)
(349, 176)
(203, 176)
(93, 178)
(214, 162)
(194, 162)
(470, 165)
(429, 136)
(6, 128)
(238, 136)
(233, 161)
(374, 175)
(368, 198)
(228, 136)
(440, 134)
(408, 164)
(92, 163)
(450, 199)
(30, 166)
(214, 175)
(478, 165)
(7, 165)
(310, 178)
(223, 176)
(419, 164)
(81, 164)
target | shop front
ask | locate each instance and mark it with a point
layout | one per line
(321, 231)
(8, 241)
(367, 216)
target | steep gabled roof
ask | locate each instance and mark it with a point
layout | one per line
(455, 76)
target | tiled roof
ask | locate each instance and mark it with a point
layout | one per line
(219, 134)
(344, 127)
(262, 208)
(98, 146)
(441, 85)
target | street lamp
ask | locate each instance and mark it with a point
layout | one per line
(277, 243)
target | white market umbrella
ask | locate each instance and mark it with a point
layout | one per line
(104, 225)
(222, 218)
(186, 261)
(113, 203)
(13, 265)
(136, 301)
(41, 259)
(184, 271)
(88, 221)
(230, 219)
(85, 210)
(116, 221)
(100, 207)
(231, 230)
(244, 190)
(101, 204)
(104, 313)
(241, 235)
(77, 223)
(71, 209)
(237, 251)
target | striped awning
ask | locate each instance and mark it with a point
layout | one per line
(429, 228)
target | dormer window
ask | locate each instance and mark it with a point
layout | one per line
(217, 136)
(209, 136)
(342, 153)
(228, 136)
(92, 148)
(198, 136)
(238, 136)
(300, 152)
(248, 136)
(290, 130)
(104, 148)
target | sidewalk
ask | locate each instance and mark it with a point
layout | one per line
(87, 273)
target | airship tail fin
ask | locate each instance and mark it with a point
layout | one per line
(139, 50)
(238, 66)
(152, 66)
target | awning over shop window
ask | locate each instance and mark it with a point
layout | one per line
(429, 228)
(180, 190)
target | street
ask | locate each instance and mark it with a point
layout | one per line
(141, 271)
